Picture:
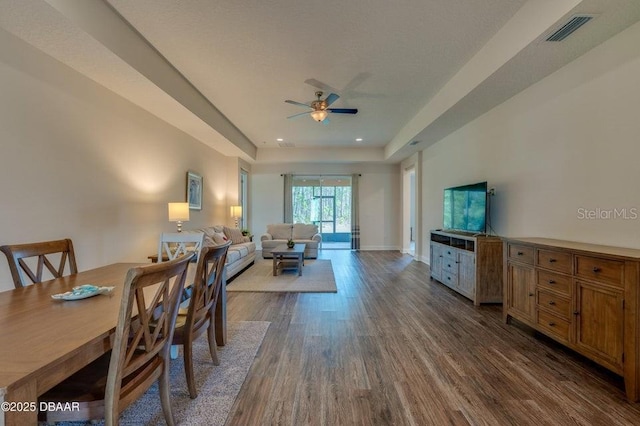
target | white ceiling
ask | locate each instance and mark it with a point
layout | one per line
(221, 70)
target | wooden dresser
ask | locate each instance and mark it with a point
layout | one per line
(585, 296)
(469, 264)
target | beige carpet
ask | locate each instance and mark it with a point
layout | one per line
(317, 277)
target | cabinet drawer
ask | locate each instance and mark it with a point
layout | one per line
(449, 253)
(553, 325)
(554, 303)
(602, 270)
(450, 280)
(520, 253)
(556, 282)
(555, 260)
(450, 265)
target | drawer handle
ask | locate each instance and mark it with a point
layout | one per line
(551, 302)
(552, 281)
(520, 253)
(457, 261)
(448, 252)
(531, 294)
(552, 260)
(441, 256)
(596, 269)
(449, 278)
(576, 313)
(552, 324)
(448, 265)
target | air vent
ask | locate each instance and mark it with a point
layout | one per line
(286, 145)
(569, 27)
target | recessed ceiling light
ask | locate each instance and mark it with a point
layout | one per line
(358, 139)
(279, 139)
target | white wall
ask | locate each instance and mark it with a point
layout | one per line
(78, 161)
(380, 199)
(566, 143)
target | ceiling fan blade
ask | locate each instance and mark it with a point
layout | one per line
(297, 103)
(326, 121)
(331, 98)
(298, 115)
(343, 110)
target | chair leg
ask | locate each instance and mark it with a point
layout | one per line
(187, 353)
(213, 347)
(165, 395)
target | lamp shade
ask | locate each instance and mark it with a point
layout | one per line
(178, 212)
(319, 115)
(236, 211)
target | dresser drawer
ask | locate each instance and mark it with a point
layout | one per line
(450, 280)
(555, 282)
(555, 260)
(449, 253)
(520, 253)
(449, 265)
(553, 325)
(559, 305)
(601, 270)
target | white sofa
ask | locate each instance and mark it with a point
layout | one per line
(280, 233)
(241, 253)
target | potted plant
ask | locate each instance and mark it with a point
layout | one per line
(291, 243)
(246, 232)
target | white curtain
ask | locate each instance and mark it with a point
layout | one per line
(288, 196)
(355, 213)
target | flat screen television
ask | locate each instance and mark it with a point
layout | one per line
(465, 208)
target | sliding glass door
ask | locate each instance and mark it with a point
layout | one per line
(324, 201)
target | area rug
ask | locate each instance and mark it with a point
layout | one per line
(218, 386)
(317, 277)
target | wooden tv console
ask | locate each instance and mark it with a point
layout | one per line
(470, 264)
(584, 296)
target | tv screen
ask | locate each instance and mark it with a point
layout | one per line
(465, 207)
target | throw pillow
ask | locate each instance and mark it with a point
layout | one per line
(234, 234)
(219, 238)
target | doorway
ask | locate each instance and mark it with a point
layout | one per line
(326, 202)
(409, 211)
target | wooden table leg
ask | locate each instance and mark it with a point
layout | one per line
(275, 265)
(25, 393)
(300, 263)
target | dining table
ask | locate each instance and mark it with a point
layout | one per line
(43, 340)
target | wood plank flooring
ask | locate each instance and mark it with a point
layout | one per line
(394, 347)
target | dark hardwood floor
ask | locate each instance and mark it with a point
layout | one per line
(394, 347)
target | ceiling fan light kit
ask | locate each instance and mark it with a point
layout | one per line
(320, 107)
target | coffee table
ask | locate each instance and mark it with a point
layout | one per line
(288, 258)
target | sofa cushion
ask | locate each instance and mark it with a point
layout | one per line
(232, 255)
(279, 231)
(234, 234)
(304, 231)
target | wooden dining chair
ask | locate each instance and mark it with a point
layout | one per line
(200, 315)
(140, 353)
(174, 244)
(19, 256)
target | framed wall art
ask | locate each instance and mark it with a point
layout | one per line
(194, 191)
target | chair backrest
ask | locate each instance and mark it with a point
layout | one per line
(143, 338)
(174, 244)
(206, 286)
(45, 252)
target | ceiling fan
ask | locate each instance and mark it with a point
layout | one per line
(320, 107)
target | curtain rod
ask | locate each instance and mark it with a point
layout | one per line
(348, 174)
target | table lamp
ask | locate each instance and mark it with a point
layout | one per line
(236, 213)
(179, 212)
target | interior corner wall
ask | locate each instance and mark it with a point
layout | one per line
(562, 155)
(380, 199)
(79, 162)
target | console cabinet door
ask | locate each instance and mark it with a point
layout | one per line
(467, 274)
(436, 261)
(521, 292)
(599, 318)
